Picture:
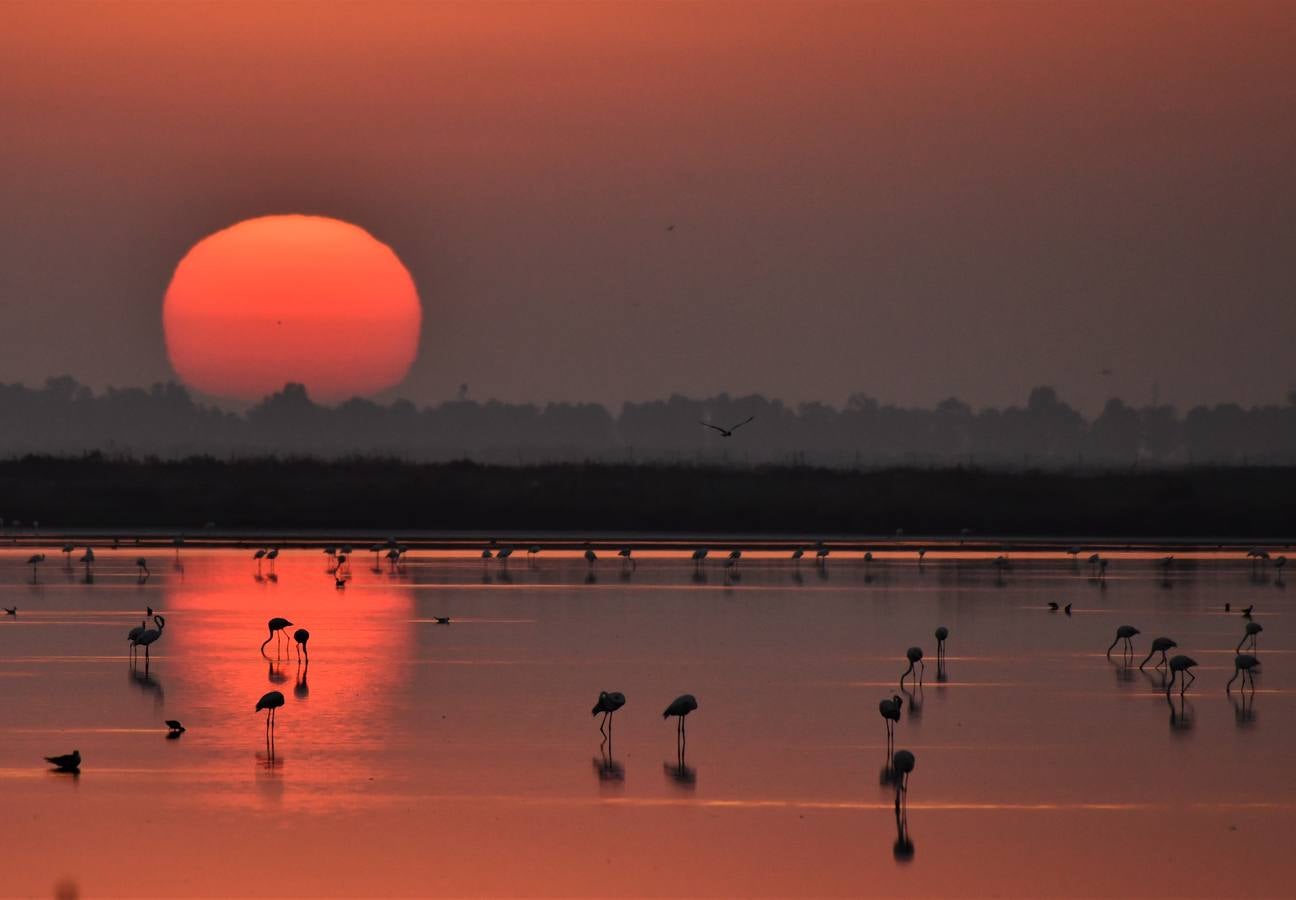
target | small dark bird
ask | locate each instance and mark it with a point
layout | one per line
(1246, 613)
(175, 726)
(1053, 606)
(727, 432)
(11, 610)
(441, 620)
(69, 762)
(1067, 609)
(1228, 607)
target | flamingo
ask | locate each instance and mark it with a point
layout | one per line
(890, 711)
(821, 555)
(624, 553)
(277, 624)
(1244, 664)
(134, 634)
(735, 555)
(153, 634)
(258, 556)
(914, 655)
(35, 560)
(608, 702)
(272, 555)
(178, 543)
(88, 558)
(533, 551)
(681, 706)
(1252, 630)
(941, 633)
(922, 552)
(67, 554)
(504, 554)
(590, 557)
(69, 762)
(301, 636)
(142, 565)
(698, 555)
(1159, 645)
(1181, 665)
(485, 554)
(797, 554)
(1123, 633)
(270, 702)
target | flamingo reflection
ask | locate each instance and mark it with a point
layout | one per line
(681, 772)
(301, 690)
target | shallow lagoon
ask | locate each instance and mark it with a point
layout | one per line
(415, 758)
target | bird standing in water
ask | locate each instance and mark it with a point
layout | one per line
(890, 711)
(681, 706)
(941, 634)
(914, 655)
(608, 702)
(1244, 664)
(301, 636)
(1124, 633)
(1159, 645)
(277, 627)
(1180, 665)
(1252, 630)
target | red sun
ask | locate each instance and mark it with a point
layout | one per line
(305, 299)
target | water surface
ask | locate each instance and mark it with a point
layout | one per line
(413, 758)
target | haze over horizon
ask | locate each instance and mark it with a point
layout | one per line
(914, 201)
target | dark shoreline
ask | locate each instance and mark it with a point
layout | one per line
(98, 493)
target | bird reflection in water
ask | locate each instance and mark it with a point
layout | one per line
(903, 849)
(1181, 716)
(591, 577)
(301, 690)
(1244, 714)
(275, 673)
(942, 671)
(680, 772)
(699, 576)
(914, 701)
(1124, 671)
(146, 682)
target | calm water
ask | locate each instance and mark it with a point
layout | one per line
(414, 758)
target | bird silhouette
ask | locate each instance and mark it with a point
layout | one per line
(134, 634)
(68, 762)
(301, 636)
(591, 557)
(11, 610)
(608, 702)
(1181, 665)
(1124, 633)
(174, 726)
(142, 565)
(1159, 645)
(1244, 664)
(1053, 605)
(1246, 613)
(941, 634)
(728, 432)
(1253, 629)
(146, 639)
(681, 706)
(902, 765)
(277, 627)
(890, 711)
(914, 655)
(1067, 609)
(270, 702)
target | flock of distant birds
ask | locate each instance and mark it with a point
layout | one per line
(901, 762)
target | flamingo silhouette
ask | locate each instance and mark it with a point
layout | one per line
(1181, 665)
(1159, 645)
(890, 711)
(277, 626)
(142, 565)
(914, 655)
(902, 765)
(1124, 633)
(1244, 664)
(270, 702)
(941, 634)
(608, 702)
(150, 636)
(301, 636)
(134, 634)
(1253, 629)
(681, 706)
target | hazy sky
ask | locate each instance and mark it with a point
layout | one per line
(911, 200)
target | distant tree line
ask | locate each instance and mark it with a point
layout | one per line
(64, 417)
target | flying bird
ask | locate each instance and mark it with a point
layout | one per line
(727, 432)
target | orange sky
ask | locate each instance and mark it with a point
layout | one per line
(948, 183)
